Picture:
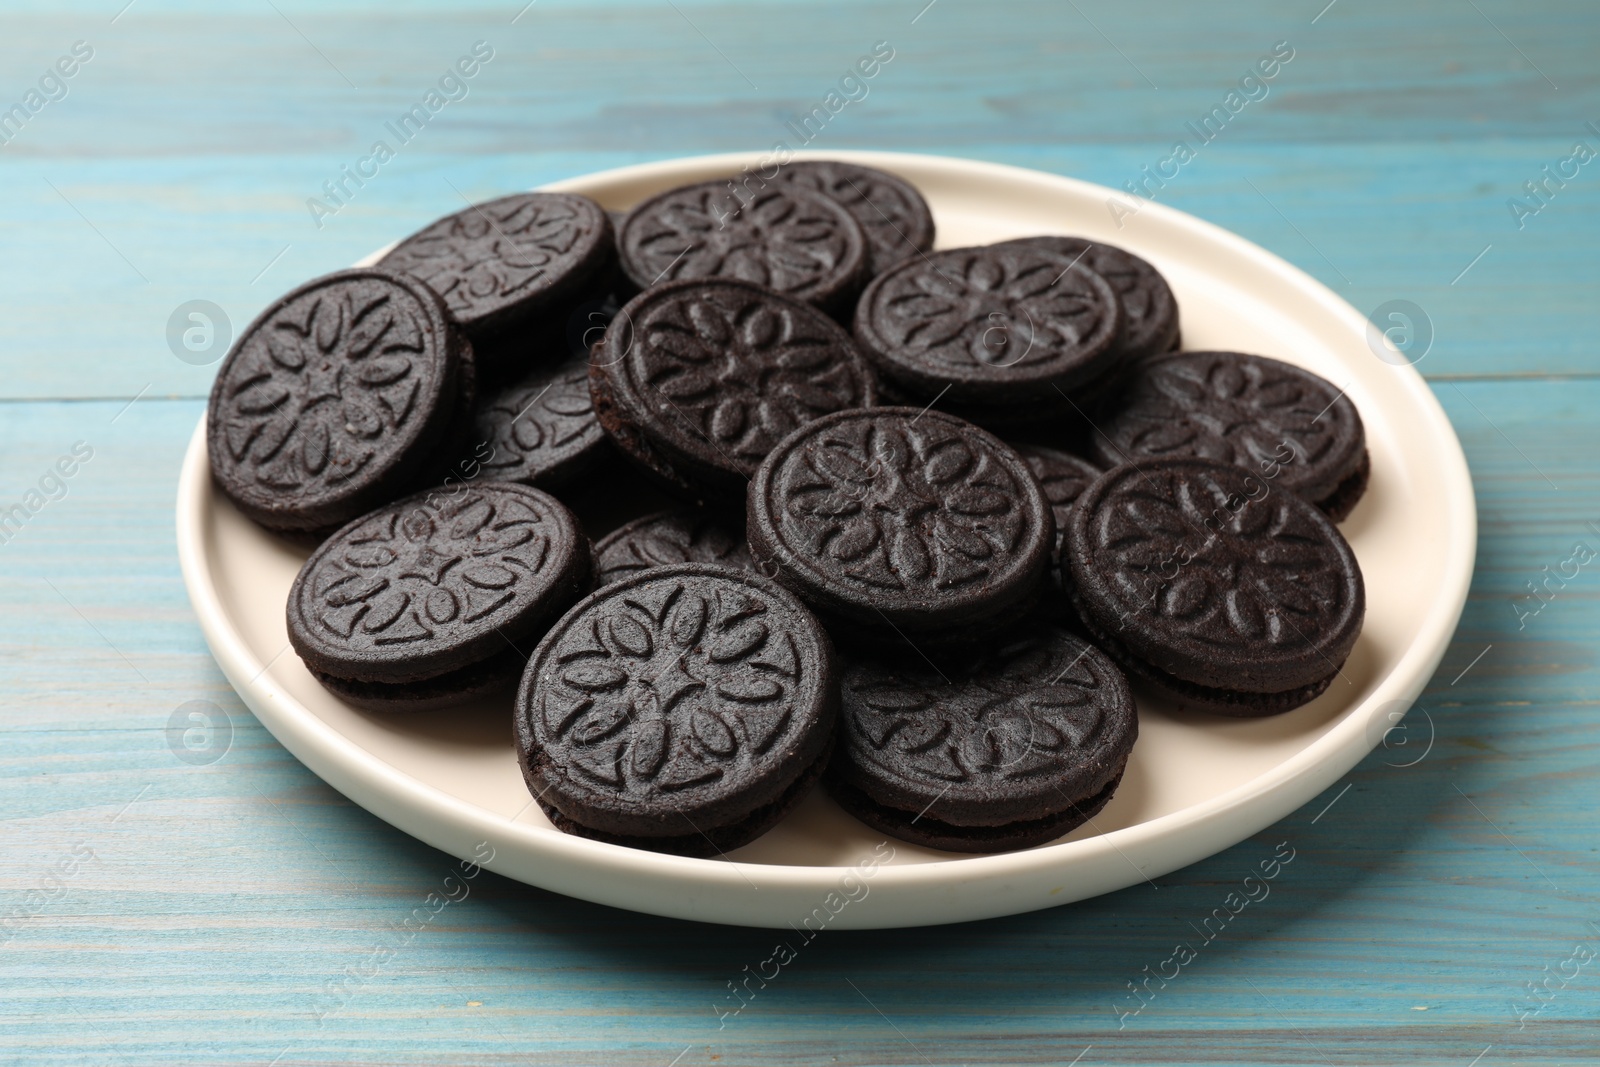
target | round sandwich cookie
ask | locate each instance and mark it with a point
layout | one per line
(540, 430)
(1009, 750)
(990, 327)
(502, 264)
(1148, 306)
(426, 602)
(668, 537)
(1287, 425)
(791, 239)
(696, 380)
(900, 525)
(684, 709)
(894, 215)
(1063, 477)
(335, 399)
(1219, 589)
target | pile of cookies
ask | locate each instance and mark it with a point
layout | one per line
(750, 490)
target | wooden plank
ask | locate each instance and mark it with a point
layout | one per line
(142, 191)
(1393, 227)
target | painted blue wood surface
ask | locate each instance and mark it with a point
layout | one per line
(163, 912)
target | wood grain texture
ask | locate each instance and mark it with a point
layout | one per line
(211, 910)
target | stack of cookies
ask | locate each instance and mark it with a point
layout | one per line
(750, 489)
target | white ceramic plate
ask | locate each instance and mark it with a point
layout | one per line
(1195, 785)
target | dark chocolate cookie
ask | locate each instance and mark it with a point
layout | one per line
(437, 596)
(1149, 309)
(1063, 478)
(335, 398)
(901, 523)
(666, 538)
(540, 430)
(891, 211)
(788, 238)
(1005, 324)
(697, 380)
(1210, 583)
(1010, 751)
(685, 709)
(501, 264)
(1287, 425)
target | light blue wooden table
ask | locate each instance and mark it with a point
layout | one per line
(157, 911)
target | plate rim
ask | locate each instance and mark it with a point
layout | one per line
(436, 817)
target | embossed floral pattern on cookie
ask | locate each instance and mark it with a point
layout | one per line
(687, 687)
(659, 695)
(1274, 419)
(420, 581)
(494, 255)
(1207, 563)
(742, 368)
(1025, 712)
(903, 507)
(1147, 301)
(788, 238)
(891, 211)
(894, 521)
(326, 398)
(712, 373)
(988, 317)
